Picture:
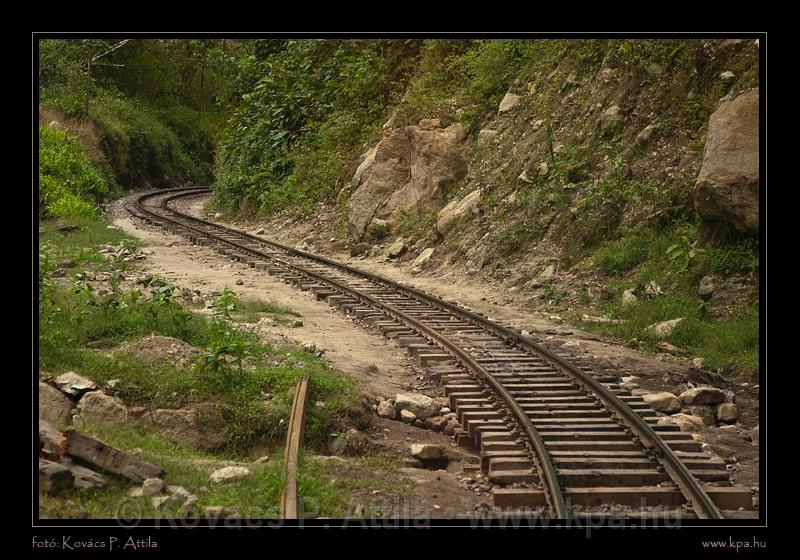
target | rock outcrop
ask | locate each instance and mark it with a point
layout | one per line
(408, 170)
(726, 190)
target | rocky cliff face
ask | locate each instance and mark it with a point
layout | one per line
(581, 154)
(410, 169)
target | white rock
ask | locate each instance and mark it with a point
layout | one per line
(422, 260)
(54, 406)
(228, 474)
(407, 416)
(386, 409)
(178, 491)
(664, 328)
(544, 169)
(727, 413)
(510, 101)
(98, 408)
(421, 405)
(397, 249)
(628, 298)
(153, 486)
(426, 451)
(73, 384)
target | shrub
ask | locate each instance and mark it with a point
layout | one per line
(69, 185)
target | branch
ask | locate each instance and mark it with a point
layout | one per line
(112, 49)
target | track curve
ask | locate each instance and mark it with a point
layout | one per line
(536, 416)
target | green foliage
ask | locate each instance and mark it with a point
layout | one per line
(683, 252)
(69, 184)
(622, 255)
(226, 303)
(312, 107)
(248, 379)
(670, 257)
(414, 222)
(153, 111)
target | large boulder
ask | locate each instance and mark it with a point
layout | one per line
(54, 406)
(201, 427)
(408, 170)
(98, 408)
(727, 187)
(457, 209)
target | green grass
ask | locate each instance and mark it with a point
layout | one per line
(642, 256)
(326, 487)
(77, 327)
(251, 310)
(81, 245)
(256, 496)
(622, 255)
(69, 184)
(78, 330)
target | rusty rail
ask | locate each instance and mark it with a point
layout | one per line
(294, 438)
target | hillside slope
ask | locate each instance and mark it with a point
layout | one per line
(565, 171)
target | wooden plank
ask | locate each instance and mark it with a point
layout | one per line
(110, 459)
(294, 439)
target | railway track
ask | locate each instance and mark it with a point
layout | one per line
(551, 435)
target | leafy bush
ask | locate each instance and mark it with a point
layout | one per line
(69, 185)
(312, 107)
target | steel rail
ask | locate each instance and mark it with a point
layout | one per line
(691, 489)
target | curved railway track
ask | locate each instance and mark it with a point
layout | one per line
(551, 435)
